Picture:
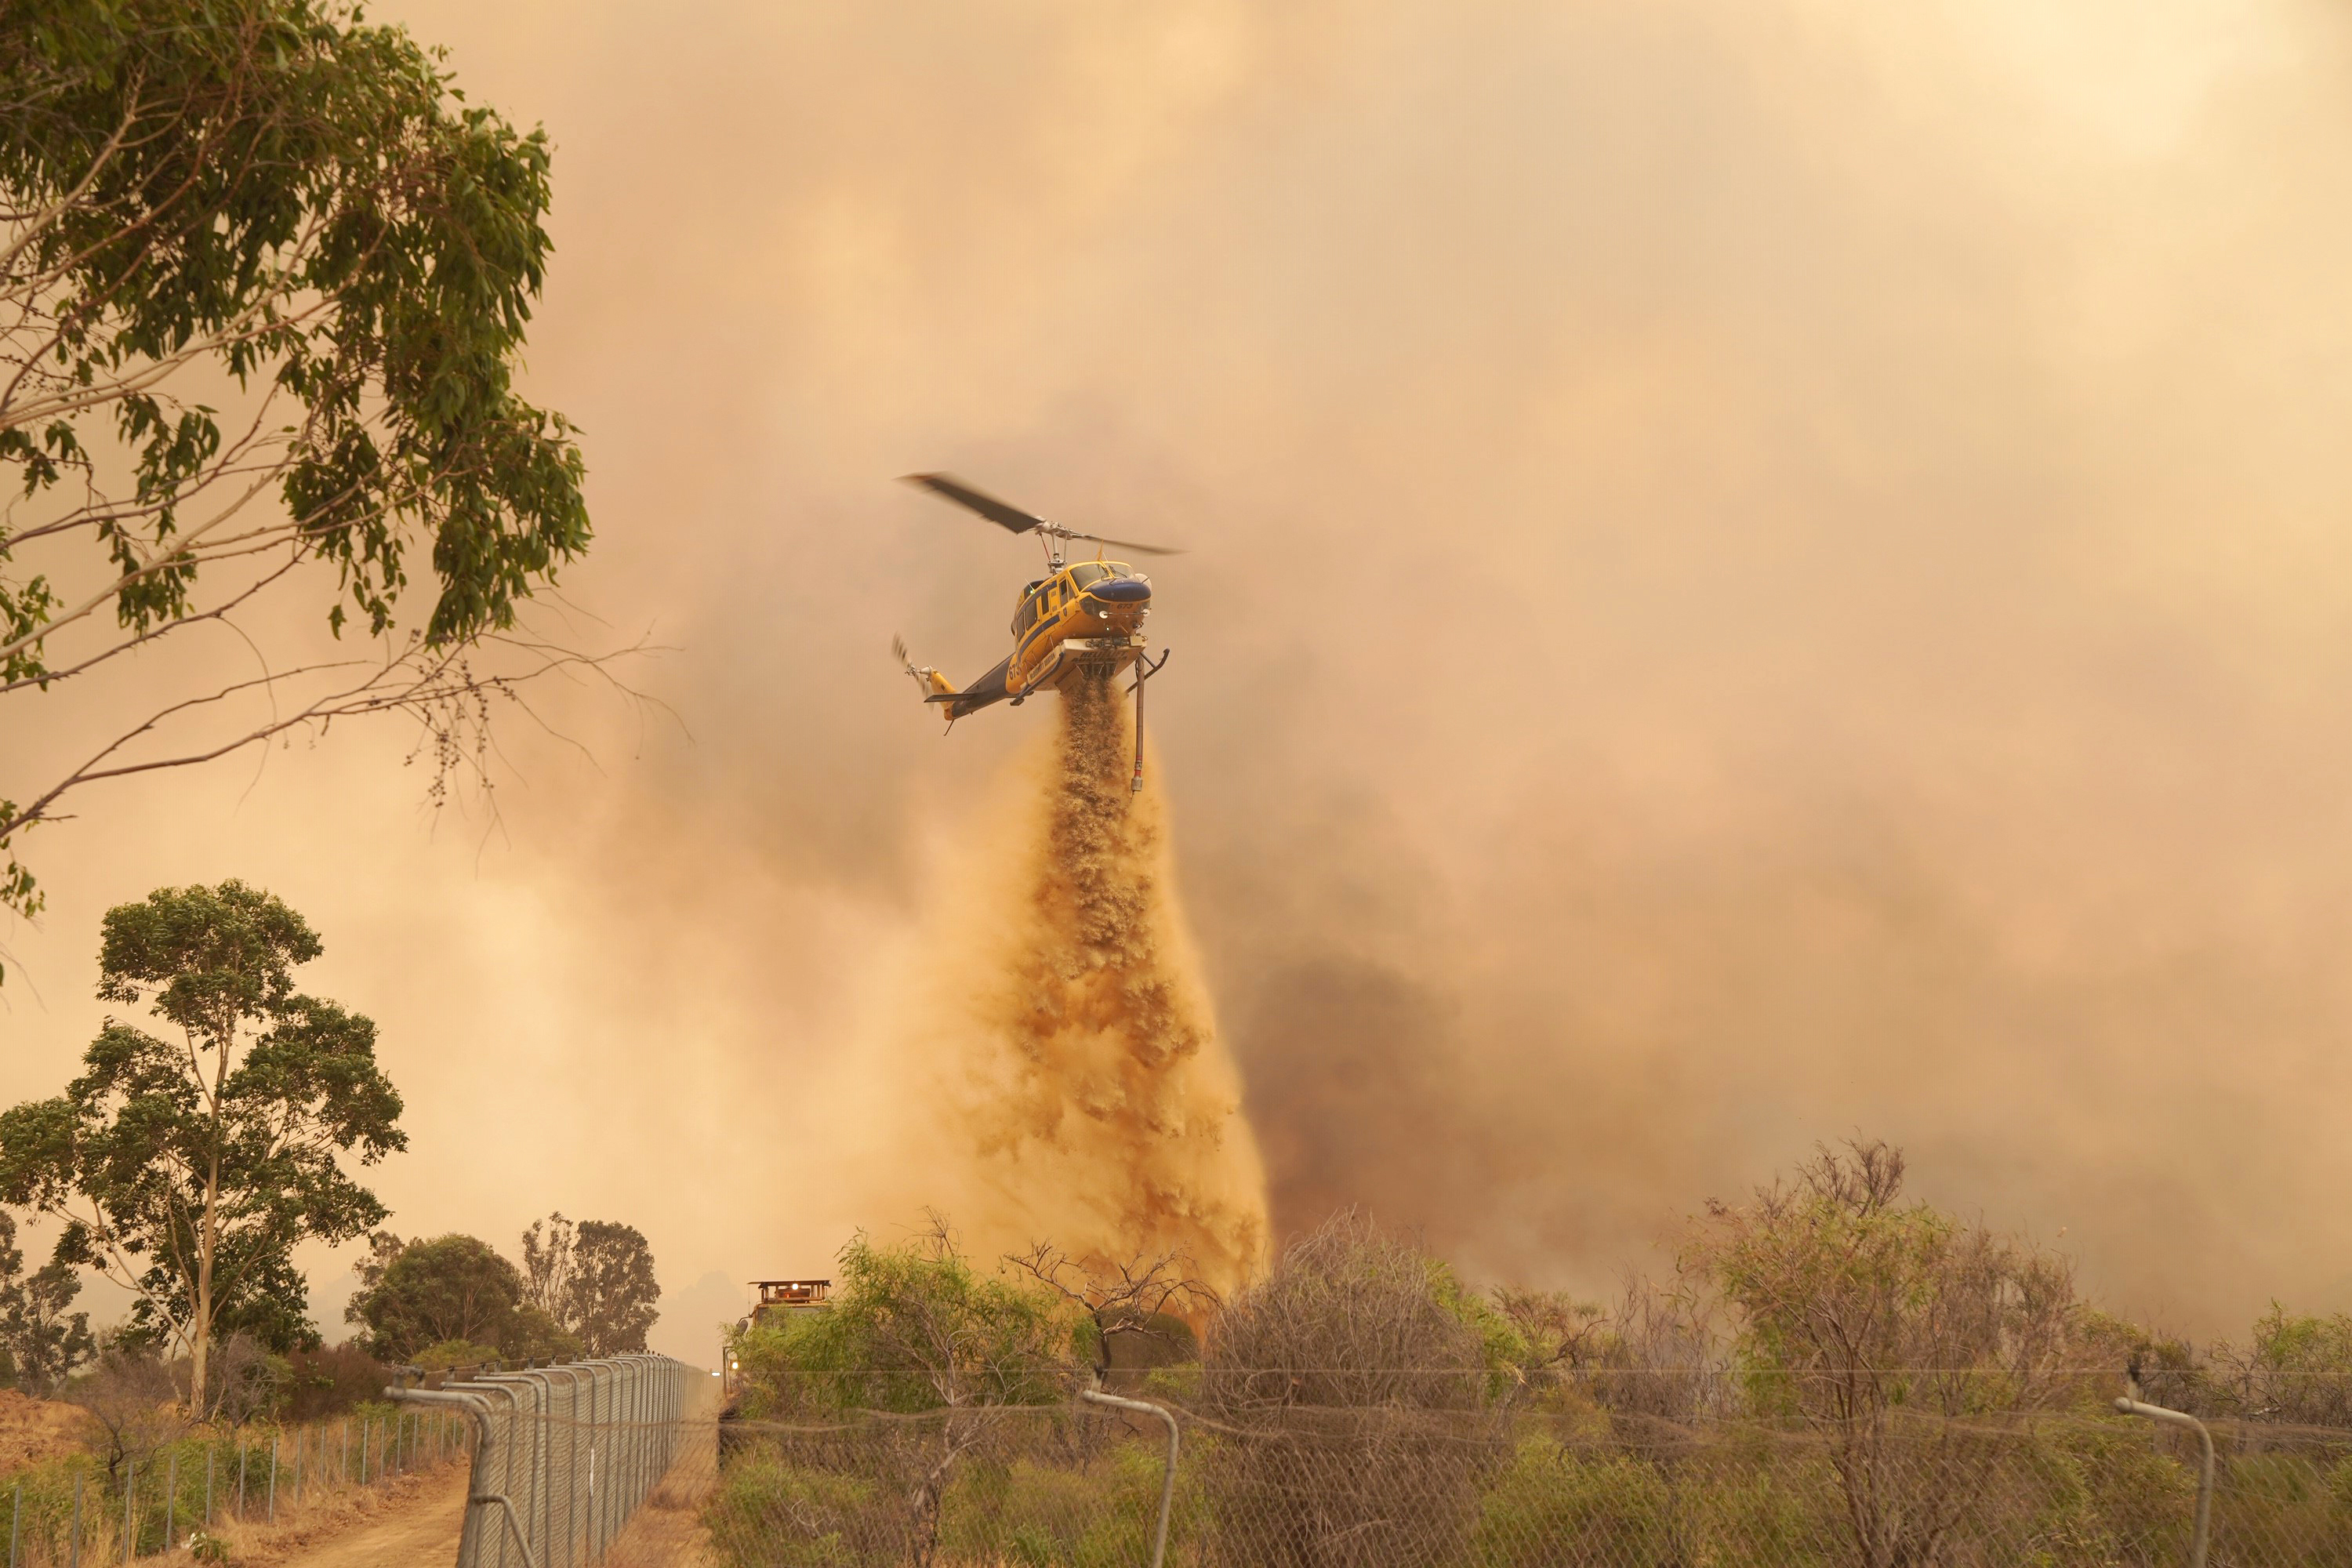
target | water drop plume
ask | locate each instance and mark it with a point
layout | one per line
(1097, 1106)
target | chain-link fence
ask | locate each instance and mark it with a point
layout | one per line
(1080, 1485)
(1367, 1488)
(168, 1496)
(563, 1455)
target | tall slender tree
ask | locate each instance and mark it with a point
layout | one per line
(613, 1291)
(186, 1166)
(547, 1265)
(44, 1342)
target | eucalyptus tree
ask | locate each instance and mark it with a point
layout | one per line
(44, 1342)
(595, 1281)
(264, 280)
(613, 1291)
(186, 1164)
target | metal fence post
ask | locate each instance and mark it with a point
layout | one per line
(1167, 1479)
(129, 1491)
(641, 1386)
(2205, 1470)
(587, 1475)
(624, 1443)
(15, 1523)
(74, 1560)
(272, 1516)
(210, 1450)
(171, 1497)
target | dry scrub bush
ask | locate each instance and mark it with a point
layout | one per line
(247, 1381)
(1858, 1314)
(133, 1405)
(1348, 1397)
(1135, 1309)
(1661, 1363)
(2294, 1370)
(331, 1381)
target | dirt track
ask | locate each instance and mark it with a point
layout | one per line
(410, 1521)
(418, 1531)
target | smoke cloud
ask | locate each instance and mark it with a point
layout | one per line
(1754, 573)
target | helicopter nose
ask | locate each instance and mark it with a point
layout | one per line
(1122, 591)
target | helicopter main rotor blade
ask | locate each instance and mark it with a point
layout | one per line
(950, 488)
(1124, 543)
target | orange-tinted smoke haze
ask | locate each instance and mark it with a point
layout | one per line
(1755, 572)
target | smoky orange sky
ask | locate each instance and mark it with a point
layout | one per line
(1757, 571)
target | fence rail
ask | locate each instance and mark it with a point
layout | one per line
(563, 1455)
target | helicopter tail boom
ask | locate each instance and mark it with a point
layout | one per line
(939, 688)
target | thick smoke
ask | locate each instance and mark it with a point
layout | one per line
(1755, 572)
(1086, 1097)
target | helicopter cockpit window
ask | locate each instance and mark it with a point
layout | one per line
(1025, 614)
(1086, 573)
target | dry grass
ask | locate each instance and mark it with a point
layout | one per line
(301, 1529)
(32, 1430)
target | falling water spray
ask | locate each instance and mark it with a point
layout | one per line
(1095, 1105)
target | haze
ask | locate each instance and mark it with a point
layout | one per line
(1757, 571)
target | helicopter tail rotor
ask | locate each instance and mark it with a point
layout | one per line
(924, 676)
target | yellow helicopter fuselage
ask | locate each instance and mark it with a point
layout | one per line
(1089, 617)
(1083, 618)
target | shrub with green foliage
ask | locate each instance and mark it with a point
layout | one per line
(912, 1331)
(2294, 1368)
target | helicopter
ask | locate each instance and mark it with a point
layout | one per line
(1083, 618)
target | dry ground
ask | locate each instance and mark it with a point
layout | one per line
(410, 1521)
(415, 1531)
(667, 1531)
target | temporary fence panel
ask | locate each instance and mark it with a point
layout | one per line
(564, 1455)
